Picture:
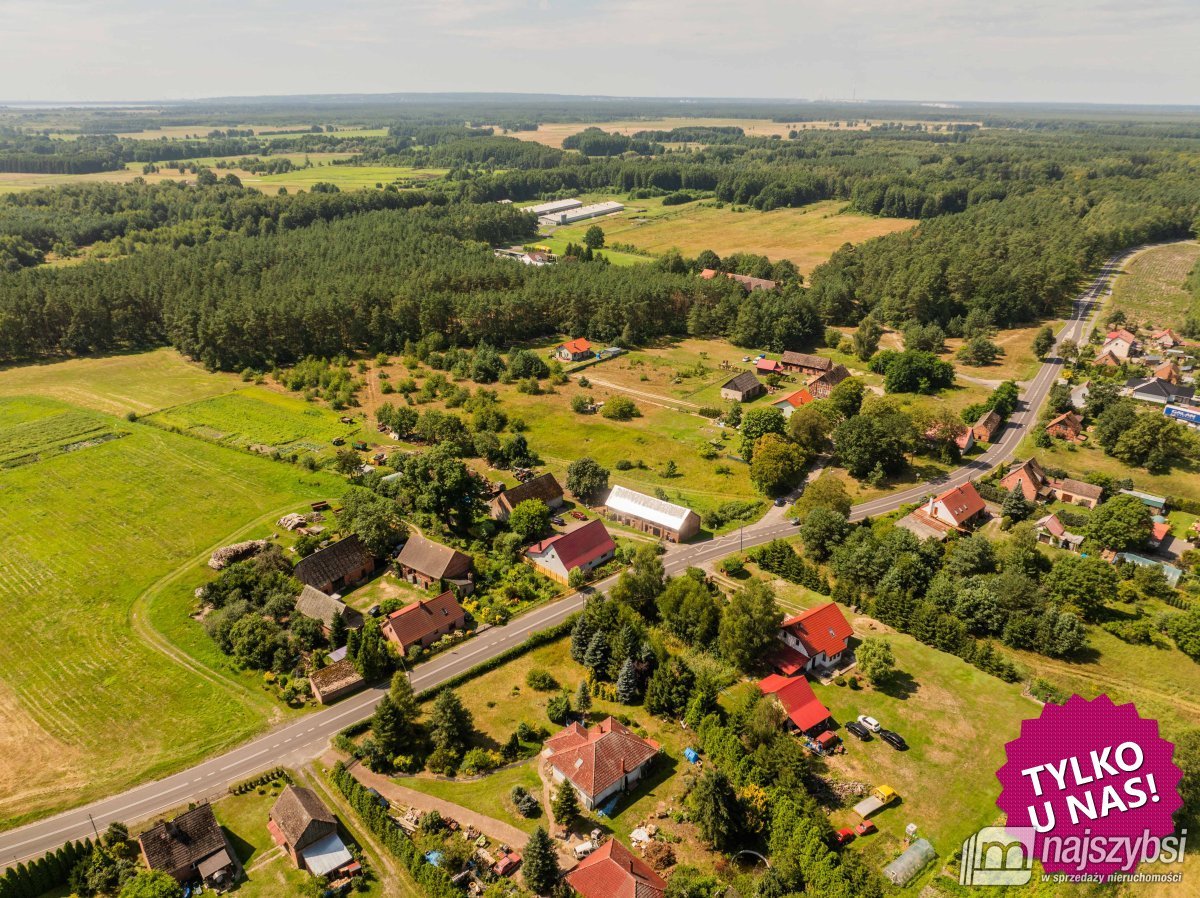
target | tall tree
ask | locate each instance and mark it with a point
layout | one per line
(749, 625)
(540, 863)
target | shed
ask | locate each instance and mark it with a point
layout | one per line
(342, 564)
(742, 388)
(904, 869)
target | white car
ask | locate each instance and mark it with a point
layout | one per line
(870, 723)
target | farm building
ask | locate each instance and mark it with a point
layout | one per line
(749, 283)
(986, 427)
(819, 637)
(335, 681)
(793, 401)
(1068, 426)
(1158, 503)
(805, 363)
(543, 487)
(1076, 492)
(599, 762)
(335, 567)
(325, 608)
(613, 871)
(821, 386)
(650, 515)
(192, 846)
(768, 366)
(742, 388)
(425, 563)
(581, 213)
(805, 712)
(1035, 486)
(574, 350)
(586, 547)
(553, 206)
(307, 830)
(424, 621)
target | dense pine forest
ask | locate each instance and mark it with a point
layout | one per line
(1010, 221)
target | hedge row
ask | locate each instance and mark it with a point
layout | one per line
(433, 881)
(48, 872)
(1189, 506)
(277, 773)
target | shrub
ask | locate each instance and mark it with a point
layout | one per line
(525, 803)
(541, 680)
(479, 760)
(624, 465)
(558, 708)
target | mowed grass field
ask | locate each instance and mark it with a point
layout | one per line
(1080, 460)
(807, 235)
(91, 700)
(141, 382)
(1150, 291)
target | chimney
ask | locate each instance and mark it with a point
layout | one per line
(929, 508)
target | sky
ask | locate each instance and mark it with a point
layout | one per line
(934, 50)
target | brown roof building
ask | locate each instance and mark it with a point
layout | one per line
(335, 567)
(424, 562)
(1076, 492)
(806, 363)
(335, 681)
(742, 388)
(424, 622)
(1068, 426)
(987, 426)
(192, 846)
(543, 487)
(598, 762)
(325, 608)
(1027, 477)
(307, 830)
(822, 385)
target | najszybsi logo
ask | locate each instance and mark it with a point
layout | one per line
(998, 856)
(1004, 855)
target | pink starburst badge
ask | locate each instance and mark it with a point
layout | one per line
(1093, 783)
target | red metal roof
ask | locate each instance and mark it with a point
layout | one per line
(1122, 334)
(613, 871)
(595, 759)
(803, 707)
(579, 546)
(821, 629)
(1160, 531)
(962, 502)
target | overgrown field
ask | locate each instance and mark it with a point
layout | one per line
(1151, 290)
(807, 235)
(255, 416)
(88, 703)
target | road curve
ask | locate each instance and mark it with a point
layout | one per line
(307, 738)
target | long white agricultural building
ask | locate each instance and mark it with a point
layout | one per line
(651, 515)
(553, 206)
(582, 213)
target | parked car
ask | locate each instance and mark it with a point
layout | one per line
(895, 740)
(858, 730)
(780, 502)
(843, 836)
(383, 802)
(870, 723)
(374, 611)
(579, 515)
(864, 827)
(556, 520)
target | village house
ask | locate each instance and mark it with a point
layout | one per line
(805, 712)
(1159, 391)
(574, 350)
(586, 547)
(325, 608)
(749, 283)
(599, 762)
(1036, 486)
(192, 846)
(1166, 339)
(1120, 343)
(334, 568)
(742, 388)
(1106, 358)
(665, 520)
(821, 386)
(1027, 477)
(793, 401)
(768, 366)
(426, 563)
(987, 426)
(805, 363)
(613, 871)
(955, 510)
(335, 680)
(1076, 492)
(813, 640)
(1051, 531)
(424, 622)
(543, 487)
(307, 830)
(1168, 371)
(1067, 426)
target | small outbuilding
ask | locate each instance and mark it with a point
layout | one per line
(742, 388)
(425, 563)
(336, 567)
(336, 680)
(905, 868)
(544, 487)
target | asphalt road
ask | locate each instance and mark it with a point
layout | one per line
(306, 739)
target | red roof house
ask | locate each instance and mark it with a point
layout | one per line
(613, 871)
(424, 621)
(585, 547)
(959, 507)
(598, 762)
(574, 350)
(820, 634)
(803, 708)
(793, 401)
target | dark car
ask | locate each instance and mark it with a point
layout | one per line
(895, 740)
(858, 730)
(374, 611)
(557, 521)
(780, 502)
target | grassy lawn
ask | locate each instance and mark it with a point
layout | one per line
(1150, 291)
(1018, 362)
(141, 382)
(1080, 460)
(89, 533)
(257, 416)
(346, 177)
(807, 235)
(489, 794)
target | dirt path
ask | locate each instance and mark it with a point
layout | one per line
(653, 398)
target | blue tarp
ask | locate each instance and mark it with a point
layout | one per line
(690, 754)
(433, 858)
